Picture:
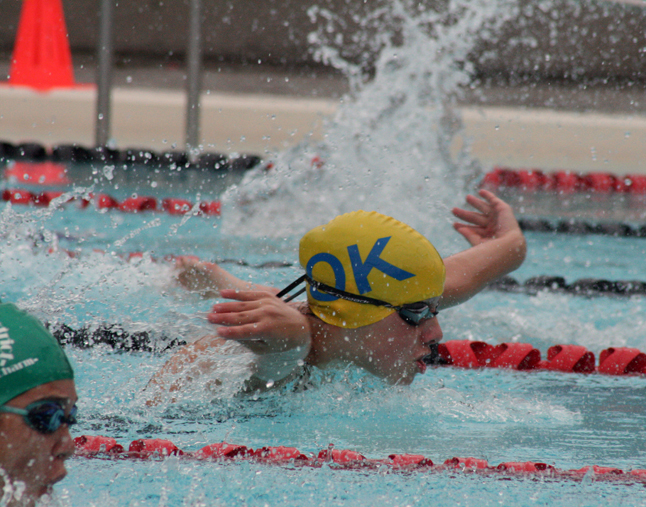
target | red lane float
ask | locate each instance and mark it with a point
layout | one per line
(144, 448)
(517, 356)
(524, 357)
(472, 354)
(176, 206)
(564, 182)
(45, 198)
(600, 182)
(278, 454)
(211, 208)
(16, 196)
(622, 361)
(407, 460)
(465, 353)
(96, 445)
(567, 182)
(105, 201)
(138, 204)
(574, 358)
(532, 179)
(37, 173)
(602, 470)
(636, 183)
(343, 457)
(105, 447)
(525, 466)
(223, 450)
(467, 463)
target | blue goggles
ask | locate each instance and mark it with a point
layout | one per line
(412, 313)
(44, 416)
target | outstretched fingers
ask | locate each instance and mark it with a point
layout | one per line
(470, 216)
(232, 317)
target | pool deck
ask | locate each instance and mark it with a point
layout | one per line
(261, 111)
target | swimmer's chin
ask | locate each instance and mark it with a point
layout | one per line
(48, 489)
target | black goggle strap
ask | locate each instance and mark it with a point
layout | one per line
(418, 310)
(332, 291)
(291, 287)
(355, 298)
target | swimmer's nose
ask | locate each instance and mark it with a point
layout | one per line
(431, 332)
(65, 447)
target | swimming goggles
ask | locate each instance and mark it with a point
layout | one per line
(45, 416)
(412, 313)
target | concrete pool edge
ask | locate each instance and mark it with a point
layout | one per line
(264, 124)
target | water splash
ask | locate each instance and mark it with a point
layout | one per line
(391, 146)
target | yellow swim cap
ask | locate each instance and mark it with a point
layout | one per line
(373, 255)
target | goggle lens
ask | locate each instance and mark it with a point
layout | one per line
(415, 313)
(46, 417)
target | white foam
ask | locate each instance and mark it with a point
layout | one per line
(389, 146)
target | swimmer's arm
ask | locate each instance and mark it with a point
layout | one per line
(498, 248)
(208, 278)
(276, 332)
(183, 361)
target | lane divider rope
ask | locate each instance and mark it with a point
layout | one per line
(564, 182)
(574, 226)
(150, 449)
(170, 205)
(588, 287)
(524, 357)
(35, 153)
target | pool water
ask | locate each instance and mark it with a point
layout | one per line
(388, 148)
(566, 420)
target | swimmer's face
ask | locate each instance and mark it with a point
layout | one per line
(32, 458)
(393, 349)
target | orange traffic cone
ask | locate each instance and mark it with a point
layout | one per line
(41, 57)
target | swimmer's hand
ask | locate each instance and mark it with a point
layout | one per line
(498, 247)
(277, 332)
(494, 219)
(262, 322)
(208, 278)
(196, 275)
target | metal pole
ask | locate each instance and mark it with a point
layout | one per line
(104, 77)
(194, 78)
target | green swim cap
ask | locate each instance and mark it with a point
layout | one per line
(29, 355)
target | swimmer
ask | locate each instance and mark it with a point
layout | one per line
(37, 406)
(374, 288)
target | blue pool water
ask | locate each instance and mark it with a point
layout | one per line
(389, 148)
(569, 421)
